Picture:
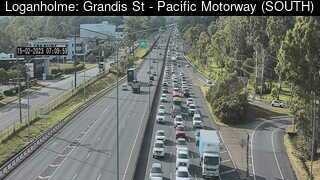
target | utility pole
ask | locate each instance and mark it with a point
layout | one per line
(19, 92)
(313, 133)
(84, 78)
(262, 72)
(248, 139)
(118, 166)
(75, 58)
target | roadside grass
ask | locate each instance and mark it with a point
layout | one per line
(140, 52)
(16, 141)
(69, 65)
(299, 167)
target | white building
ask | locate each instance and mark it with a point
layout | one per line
(6, 56)
(98, 30)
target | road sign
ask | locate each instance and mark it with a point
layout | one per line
(143, 43)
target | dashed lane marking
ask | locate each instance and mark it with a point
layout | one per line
(227, 160)
(227, 172)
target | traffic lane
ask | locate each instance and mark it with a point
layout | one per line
(274, 130)
(82, 160)
(169, 159)
(282, 155)
(227, 169)
(86, 116)
(37, 162)
(264, 162)
(136, 106)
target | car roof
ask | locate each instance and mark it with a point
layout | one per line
(159, 141)
(158, 131)
(182, 168)
(156, 165)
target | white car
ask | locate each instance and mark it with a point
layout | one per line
(178, 120)
(160, 135)
(197, 121)
(181, 143)
(276, 103)
(162, 108)
(182, 158)
(189, 101)
(158, 149)
(182, 173)
(192, 109)
(156, 172)
(125, 87)
(160, 117)
(163, 98)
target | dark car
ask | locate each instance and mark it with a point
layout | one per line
(181, 134)
(151, 78)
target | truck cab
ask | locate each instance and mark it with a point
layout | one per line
(210, 162)
(209, 150)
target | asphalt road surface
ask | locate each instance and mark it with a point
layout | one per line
(9, 114)
(86, 148)
(168, 163)
(269, 157)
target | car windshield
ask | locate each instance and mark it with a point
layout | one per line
(182, 174)
(212, 161)
(156, 170)
(182, 156)
(158, 145)
(160, 133)
(197, 118)
(182, 142)
(161, 114)
(161, 107)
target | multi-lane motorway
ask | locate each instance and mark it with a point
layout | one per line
(168, 163)
(86, 148)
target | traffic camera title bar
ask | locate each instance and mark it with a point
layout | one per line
(158, 7)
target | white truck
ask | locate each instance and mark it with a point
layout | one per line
(209, 150)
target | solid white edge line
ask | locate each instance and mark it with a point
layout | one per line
(275, 154)
(252, 137)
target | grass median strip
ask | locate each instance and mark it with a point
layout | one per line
(23, 135)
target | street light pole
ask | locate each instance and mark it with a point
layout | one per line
(117, 59)
(75, 58)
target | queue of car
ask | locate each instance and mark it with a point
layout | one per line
(176, 85)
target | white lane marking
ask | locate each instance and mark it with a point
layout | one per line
(74, 176)
(225, 160)
(252, 159)
(275, 155)
(85, 134)
(222, 152)
(89, 153)
(99, 177)
(227, 172)
(252, 137)
(41, 177)
(225, 145)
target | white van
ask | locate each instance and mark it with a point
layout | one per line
(197, 121)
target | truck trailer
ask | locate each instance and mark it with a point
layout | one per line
(209, 150)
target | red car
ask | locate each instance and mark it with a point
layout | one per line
(180, 134)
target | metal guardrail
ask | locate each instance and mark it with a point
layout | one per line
(9, 165)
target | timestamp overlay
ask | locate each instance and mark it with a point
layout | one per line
(42, 51)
